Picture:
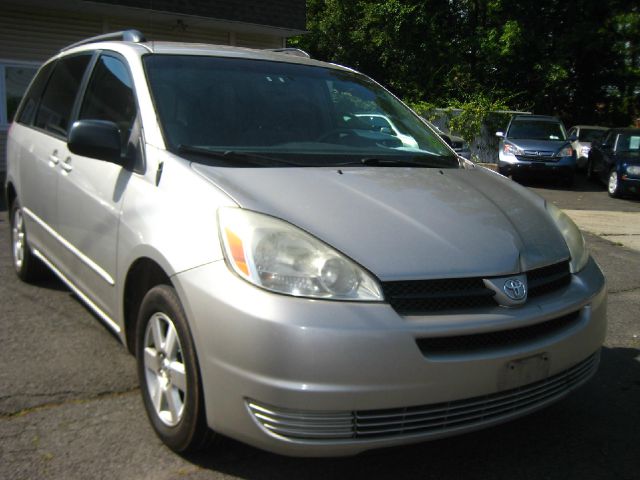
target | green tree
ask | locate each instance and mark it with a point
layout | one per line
(579, 60)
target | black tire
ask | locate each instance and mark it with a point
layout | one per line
(28, 267)
(187, 430)
(613, 183)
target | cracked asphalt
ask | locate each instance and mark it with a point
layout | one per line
(70, 406)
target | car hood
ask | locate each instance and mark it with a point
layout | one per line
(406, 223)
(545, 145)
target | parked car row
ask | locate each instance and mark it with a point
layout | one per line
(538, 145)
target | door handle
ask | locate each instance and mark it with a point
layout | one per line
(66, 165)
(53, 159)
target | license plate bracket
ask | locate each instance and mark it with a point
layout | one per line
(524, 371)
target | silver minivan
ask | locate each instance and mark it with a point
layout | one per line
(286, 274)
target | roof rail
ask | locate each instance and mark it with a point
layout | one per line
(124, 36)
(291, 51)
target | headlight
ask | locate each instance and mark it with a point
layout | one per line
(573, 237)
(510, 149)
(274, 255)
(633, 170)
(565, 152)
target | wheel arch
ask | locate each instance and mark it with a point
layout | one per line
(10, 195)
(143, 274)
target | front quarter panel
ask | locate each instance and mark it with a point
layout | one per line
(172, 223)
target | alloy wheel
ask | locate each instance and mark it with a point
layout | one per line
(18, 237)
(613, 182)
(164, 369)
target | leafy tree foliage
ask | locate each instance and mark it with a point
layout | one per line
(579, 60)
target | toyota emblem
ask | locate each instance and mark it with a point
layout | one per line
(515, 289)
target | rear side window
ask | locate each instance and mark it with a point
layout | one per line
(27, 109)
(57, 102)
(110, 95)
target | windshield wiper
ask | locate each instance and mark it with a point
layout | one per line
(236, 158)
(397, 162)
(390, 161)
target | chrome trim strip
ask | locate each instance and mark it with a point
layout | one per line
(110, 323)
(86, 260)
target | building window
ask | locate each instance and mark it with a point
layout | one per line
(14, 80)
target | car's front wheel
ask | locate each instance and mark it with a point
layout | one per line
(613, 186)
(168, 372)
(28, 267)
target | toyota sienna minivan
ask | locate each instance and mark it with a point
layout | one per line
(284, 274)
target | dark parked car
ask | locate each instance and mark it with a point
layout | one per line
(616, 161)
(536, 145)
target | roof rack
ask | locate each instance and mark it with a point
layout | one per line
(124, 36)
(291, 51)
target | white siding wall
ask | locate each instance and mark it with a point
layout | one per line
(29, 34)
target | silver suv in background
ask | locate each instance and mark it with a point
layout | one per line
(536, 146)
(284, 274)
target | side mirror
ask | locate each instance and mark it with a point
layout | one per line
(98, 139)
(500, 134)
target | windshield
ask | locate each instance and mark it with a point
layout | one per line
(591, 134)
(629, 142)
(304, 114)
(536, 130)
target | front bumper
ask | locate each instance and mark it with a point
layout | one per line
(511, 165)
(271, 360)
(630, 185)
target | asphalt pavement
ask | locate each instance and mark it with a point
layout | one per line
(70, 406)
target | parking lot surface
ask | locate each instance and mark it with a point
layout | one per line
(616, 219)
(70, 406)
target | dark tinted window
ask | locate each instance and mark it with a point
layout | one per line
(55, 108)
(32, 97)
(629, 142)
(312, 114)
(110, 96)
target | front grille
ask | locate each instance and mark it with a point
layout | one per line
(425, 420)
(490, 340)
(537, 156)
(548, 279)
(421, 297)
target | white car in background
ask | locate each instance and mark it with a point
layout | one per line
(586, 135)
(384, 124)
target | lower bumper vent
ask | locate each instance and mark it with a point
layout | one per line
(425, 420)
